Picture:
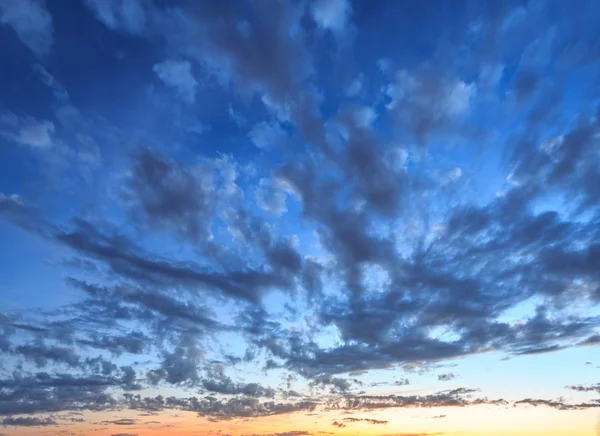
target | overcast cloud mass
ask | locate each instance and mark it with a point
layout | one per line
(299, 218)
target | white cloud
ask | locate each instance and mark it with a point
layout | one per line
(270, 197)
(198, 128)
(331, 14)
(178, 75)
(236, 117)
(88, 151)
(127, 15)
(13, 198)
(551, 145)
(266, 134)
(355, 87)
(397, 158)
(36, 134)
(383, 65)
(401, 88)
(451, 176)
(364, 116)
(48, 79)
(31, 21)
(437, 96)
(27, 131)
(490, 76)
(458, 98)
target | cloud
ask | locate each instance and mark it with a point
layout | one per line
(45, 393)
(285, 433)
(364, 116)
(129, 16)
(213, 407)
(218, 382)
(367, 420)
(41, 354)
(31, 22)
(266, 135)
(460, 397)
(270, 197)
(558, 404)
(426, 102)
(336, 384)
(123, 421)
(167, 194)
(28, 422)
(331, 15)
(447, 377)
(37, 134)
(48, 79)
(178, 75)
(592, 388)
(351, 229)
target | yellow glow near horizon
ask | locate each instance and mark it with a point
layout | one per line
(476, 421)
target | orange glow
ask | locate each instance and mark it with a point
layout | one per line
(480, 421)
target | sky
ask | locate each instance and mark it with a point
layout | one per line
(289, 218)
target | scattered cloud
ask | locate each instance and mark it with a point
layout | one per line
(447, 377)
(126, 16)
(591, 388)
(31, 22)
(331, 15)
(366, 420)
(28, 422)
(337, 227)
(178, 75)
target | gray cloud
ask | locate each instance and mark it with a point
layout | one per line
(28, 422)
(367, 420)
(123, 421)
(218, 382)
(592, 388)
(558, 404)
(447, 377)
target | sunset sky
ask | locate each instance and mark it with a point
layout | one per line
(291, 218)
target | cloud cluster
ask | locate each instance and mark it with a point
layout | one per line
(355, 250)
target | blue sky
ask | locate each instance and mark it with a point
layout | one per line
(281, 209)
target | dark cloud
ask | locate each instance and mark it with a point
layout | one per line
(134, 342)
(167, 194)
(45, 393)
(123, 421)
(41, 354)
(213, 407)
(218, 382)
(401, 382)
(336, 384)
(285, 433)
(454, 398)
(558, 404)
(447, 377)
(128, 260)
(367, 420)
(28, 422)
(592, 388)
